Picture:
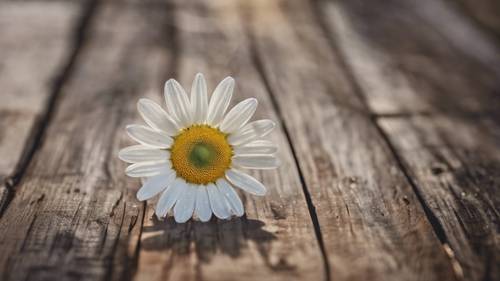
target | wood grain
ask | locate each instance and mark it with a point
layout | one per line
(443, 126)
(372, 223)
(36, 44)
(441, 62)
(74, 215)
(459, 179)
(276, 239)
(388, 125)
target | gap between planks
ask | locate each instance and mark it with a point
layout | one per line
(424, 192)
(358, 91)
(52, 106)
(256, 59)
(37, 131)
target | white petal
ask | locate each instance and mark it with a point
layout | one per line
(261, 161)
(232, 197)
(148, 169)
(220, 101)
(217, 202)
(156, 117)
(184, 207)
(177, 102)
(238, 115)
(251, 131)
(256, 147)
(149, 137)
(170, 196)
(202, 209)
(141, 153)
(246, 182)
(199, 99)
(154, 186)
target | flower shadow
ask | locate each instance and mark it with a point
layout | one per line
(228, 237)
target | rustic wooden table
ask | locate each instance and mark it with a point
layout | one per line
(389, 128)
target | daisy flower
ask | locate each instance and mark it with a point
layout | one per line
(192, 156)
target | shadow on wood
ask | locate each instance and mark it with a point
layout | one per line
(226, 237)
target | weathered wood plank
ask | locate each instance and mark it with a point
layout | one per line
(451, 151)
(455, 163)
(74, 215)
(35, 46)
(276, 239)
(372, 223)
(421, 57)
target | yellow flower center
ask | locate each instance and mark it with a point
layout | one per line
(200, 154)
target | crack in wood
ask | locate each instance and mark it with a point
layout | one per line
(254, 54)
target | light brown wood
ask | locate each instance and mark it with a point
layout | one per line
(74, 215)
(35, 45)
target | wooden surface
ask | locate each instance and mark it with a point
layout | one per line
(388, 125)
